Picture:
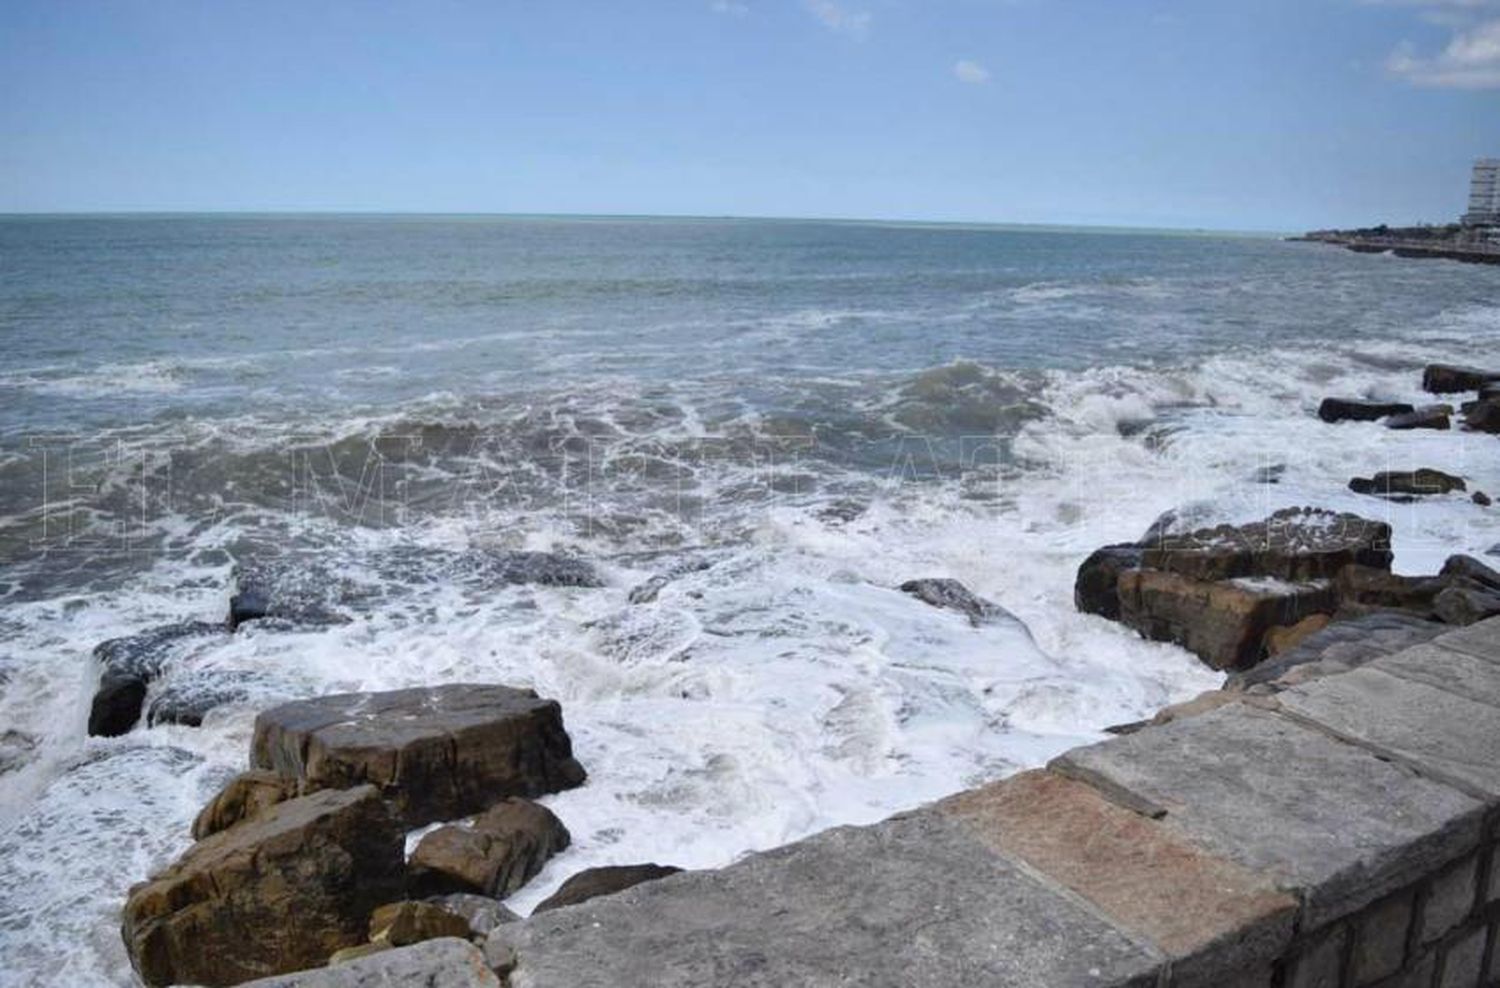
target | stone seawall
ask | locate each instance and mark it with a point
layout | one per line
(1341, 834)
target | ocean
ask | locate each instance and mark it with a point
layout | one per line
(781, 421)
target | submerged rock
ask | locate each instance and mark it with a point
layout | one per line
(247, 795)
(277, 894)
(1360, 410)
(608, 880)
(506, 846)
(948, 594)
(1408, 484)
(130, 664)
(1426, 417)
(1450, 378)
(1483, 416)
(436, 753)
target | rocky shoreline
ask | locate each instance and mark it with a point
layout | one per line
(300, 862)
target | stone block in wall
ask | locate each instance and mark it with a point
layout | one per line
(1319, 963)
(1380, 935)
(1463, 961)
(1326, 819)
(1449, 899)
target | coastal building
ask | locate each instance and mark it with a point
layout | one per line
(1484, 194)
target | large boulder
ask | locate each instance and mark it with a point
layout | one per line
(1294, 544)
(1450, 378)
(1360, 410)
(1096, 589)
(1404, 485)
(507, 845)
(436, 753)
(1466, 602)
(1483, 416)
(1223, 622)
(129, 665)
(1362, 589)
(448, 962)
(949, 594)
(279, 893)
(1426, 417)
(247, 795)
(594, 882)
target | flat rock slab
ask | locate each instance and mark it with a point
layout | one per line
(443, 963)
(1446, 669)
(1443, 733)
(1212, 917)
(275, 894)
(1320, 817)
(915, 901)
(1481, 639)
(436, 754)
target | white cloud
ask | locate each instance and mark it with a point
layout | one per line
(1470, 60)
(729, 7)
(836, 17)
(971, 72)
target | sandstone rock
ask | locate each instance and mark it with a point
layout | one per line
(1295, 544)
(1343, 645)
(436, 753)
(278, 893)
(1360, 410)
(1426, 417)
(1484, 416)
(130, 664)
(445, 963)
(948, 594)
(602, 881)
(1361, 588)
(481, 912)
(401, 924)
(1407, 484)
(507, 845)
(1281, 639)
(247, 795)
(1449, 378)
(1096, 589)
(1223, 622)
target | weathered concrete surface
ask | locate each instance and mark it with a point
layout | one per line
(436, 754)
(917, 900)
(1325, 819)
(445, 963)
(1443, 734)
(1211, 917)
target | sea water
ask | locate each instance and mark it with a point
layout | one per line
(781, 420)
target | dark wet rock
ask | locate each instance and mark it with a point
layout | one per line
(436, 753)
(243, 797)
(1399, 485)
(1295, 544)
(1481, 498)
(16, 748)
(401, 924)
(497, 568)
(1360, 410)
(948, 594)
(645, 593)
(1270, 474)
(608, 880)
(1364, 588)
(187, 699)
(1341, 646)
(1426, 417)
(1450, 378)
(1465, 602)
(481, 912)
(842, 510)
(279, 893)
(1483, 416)
(1096, 588)
(506, 846)
(1469, 568)
(291, 589)
(130, 664)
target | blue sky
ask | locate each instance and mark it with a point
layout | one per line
(1238, 114)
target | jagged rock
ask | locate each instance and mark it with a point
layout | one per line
(1403, 485)
(444, 963)
(436, 753)
(1096, 589)
(1466, 602)
(247, 795)
(1450, 378)
(1343, 645)
(188, 699)
(507, 845)
(1223, 622)
(949, 594)
(608, 880)
(1483, 416)
(1361, 588)
(1294, 544)
(1360, 410)
(130, 664)
(1426, 417)
(402, 924)
(278, 893)
(481, 912)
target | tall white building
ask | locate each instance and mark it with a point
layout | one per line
(1484, 194)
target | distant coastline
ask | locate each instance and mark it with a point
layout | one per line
(1451, 243)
